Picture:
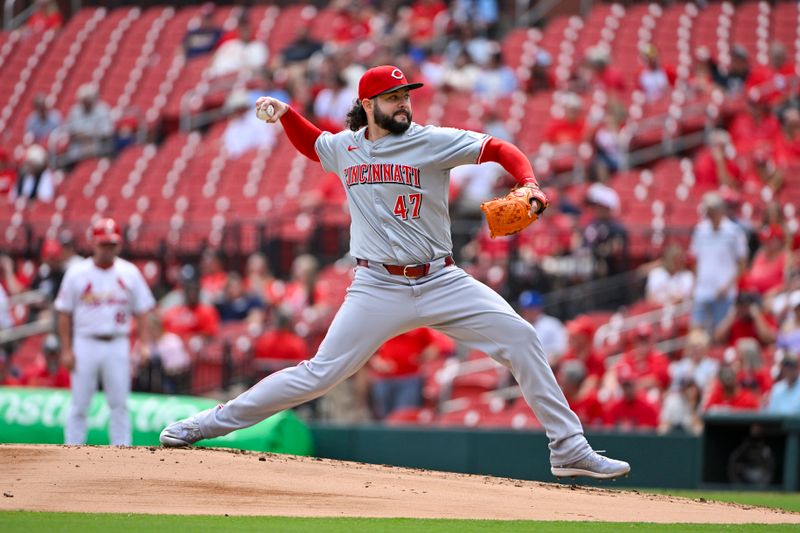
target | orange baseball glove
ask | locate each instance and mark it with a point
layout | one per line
(515, 211)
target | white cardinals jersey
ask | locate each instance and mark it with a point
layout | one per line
(397, 188)
(102, 300)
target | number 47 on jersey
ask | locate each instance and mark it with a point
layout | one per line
(408, 206)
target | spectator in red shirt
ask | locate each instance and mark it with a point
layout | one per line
(755, 127)
(46, 16)
(8, 175)
(773, 80)
(787, 144)
(751, 373)
(280, 347)
(728, 394)
(582, 399)
(648, 367)
(596, 72)
(191, 318)
(52, 373)
(747, 319)
(717, 164)
(581, 333)
(396, 381)
(769, 264)
(213, 277)
(426, 21)
(632, 410)
(572, 128)
(541, 76)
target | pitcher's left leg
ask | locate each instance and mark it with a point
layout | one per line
(475, 315)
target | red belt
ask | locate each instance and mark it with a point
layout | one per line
(409, 271)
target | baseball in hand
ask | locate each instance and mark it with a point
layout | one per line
(264, 114)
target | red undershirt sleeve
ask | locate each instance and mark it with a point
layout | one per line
(302, 133)
(510, 158)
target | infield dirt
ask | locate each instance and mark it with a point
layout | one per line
(206, 481)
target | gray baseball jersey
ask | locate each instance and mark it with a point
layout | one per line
(397, 188)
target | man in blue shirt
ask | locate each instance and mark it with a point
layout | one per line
(785, 396)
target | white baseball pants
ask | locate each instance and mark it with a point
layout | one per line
(379, 306)
(109, 361)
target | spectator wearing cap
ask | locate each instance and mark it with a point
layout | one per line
(696, 365)
(670, 282)
(35, 181)
(8, 174)
(727, 394)
(604, 235)
(643, 361)
(746, 319)
(551, 330)
(580, 331)
(42, 120)
(632, 410)
(582, 399)
(89, 125)
(720, 250)
(682, 409)
(716, 164)
(784, 398)
(768, 270)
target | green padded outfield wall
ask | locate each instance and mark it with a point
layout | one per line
(37, 416)
(670, 461)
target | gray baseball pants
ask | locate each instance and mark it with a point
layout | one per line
(380, 306)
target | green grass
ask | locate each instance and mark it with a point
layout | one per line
(788, 501)
(30, 522)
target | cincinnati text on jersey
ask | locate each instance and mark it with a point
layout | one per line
(382, 173)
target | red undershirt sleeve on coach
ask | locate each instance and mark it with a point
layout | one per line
(510, 158)
(302, 133)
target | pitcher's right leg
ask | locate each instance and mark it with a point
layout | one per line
(372, 312)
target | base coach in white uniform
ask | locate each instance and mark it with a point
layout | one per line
(98, 298)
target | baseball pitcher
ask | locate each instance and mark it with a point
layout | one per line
(396, 174)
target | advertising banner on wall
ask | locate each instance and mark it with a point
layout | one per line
(30, 415)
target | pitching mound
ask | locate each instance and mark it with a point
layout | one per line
(204, 481)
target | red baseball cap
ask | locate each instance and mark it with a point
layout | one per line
(105, 231)
(51, 249)
(383, 79)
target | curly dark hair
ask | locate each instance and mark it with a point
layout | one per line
(356, 117)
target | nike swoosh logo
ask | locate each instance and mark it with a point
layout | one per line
(351, 148)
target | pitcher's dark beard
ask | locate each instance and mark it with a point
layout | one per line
(389, 123)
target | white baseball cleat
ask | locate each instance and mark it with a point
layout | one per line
(593, 465)
(181, 433)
